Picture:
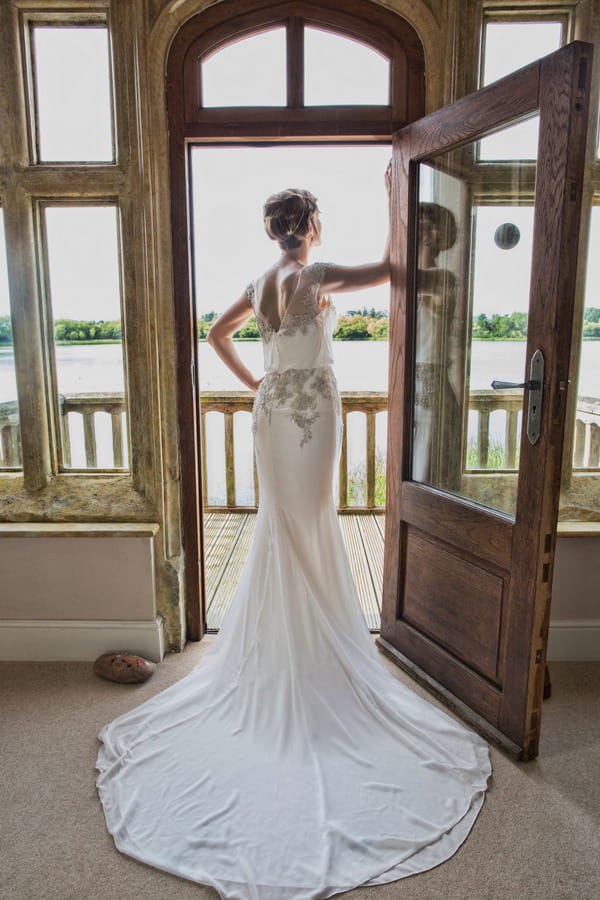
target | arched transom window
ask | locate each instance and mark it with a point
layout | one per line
(296, 70)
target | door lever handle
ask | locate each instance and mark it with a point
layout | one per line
(531, 385)
(535, 386)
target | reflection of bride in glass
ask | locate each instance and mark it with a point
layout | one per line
(290, 764)
(436, 453)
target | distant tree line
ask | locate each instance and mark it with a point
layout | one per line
(357, 325)
(71, 330)
(5, 330)
(204, 323)
(75, 330)
(513, 327)
(591, 322)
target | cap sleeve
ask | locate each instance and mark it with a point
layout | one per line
(318, 270)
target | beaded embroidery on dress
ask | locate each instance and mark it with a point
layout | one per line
(289, 764)
(299, 390)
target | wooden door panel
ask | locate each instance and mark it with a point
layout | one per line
(465, 617)
(458, 522)
(423, 656)
(467, 586)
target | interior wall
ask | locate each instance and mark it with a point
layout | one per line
(84, 578)
(75, 592)
(575, 609)
(576, 586)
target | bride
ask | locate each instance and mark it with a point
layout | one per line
(289, 764)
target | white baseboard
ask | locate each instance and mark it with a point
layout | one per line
(570, 640)
(67, 640)
(574, 640)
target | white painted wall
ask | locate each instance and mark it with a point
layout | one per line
(83, 578)
(575, 610)
(72, 592)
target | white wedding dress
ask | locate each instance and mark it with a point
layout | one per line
(290, 764)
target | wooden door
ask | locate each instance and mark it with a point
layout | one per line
(470, 542)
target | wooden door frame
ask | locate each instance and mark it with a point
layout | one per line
(189, 123)
(546, 86)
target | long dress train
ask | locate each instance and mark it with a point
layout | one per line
(290, 764)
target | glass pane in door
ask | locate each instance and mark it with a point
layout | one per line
(473, 269)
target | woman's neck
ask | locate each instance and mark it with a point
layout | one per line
(298, 255)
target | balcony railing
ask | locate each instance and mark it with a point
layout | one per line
(486, 402)
(586, 453)
(586, 450)
(81, 443)
(88, 408)
(369, 403)
(10, 435)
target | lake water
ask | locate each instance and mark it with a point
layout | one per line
(359, 365)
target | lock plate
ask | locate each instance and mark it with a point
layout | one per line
(536, 392)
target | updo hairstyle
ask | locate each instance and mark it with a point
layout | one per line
(287, 216)
(443, 220)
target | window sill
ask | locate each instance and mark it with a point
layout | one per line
(75, 498)
(78, 529)
(578, 529)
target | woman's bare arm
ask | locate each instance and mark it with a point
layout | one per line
(350, 278)
(220, 339)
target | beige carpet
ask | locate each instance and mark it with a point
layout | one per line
(537, 837)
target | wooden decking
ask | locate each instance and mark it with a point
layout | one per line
(228, 537)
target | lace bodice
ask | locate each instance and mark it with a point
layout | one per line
(298, 357)
(304, 337)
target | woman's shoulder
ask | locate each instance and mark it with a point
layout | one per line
(315, 272)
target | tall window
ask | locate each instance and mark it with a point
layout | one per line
(10, 438)
(509, 45)
(84, 294)
(68, 300)
(72, 93)
(510, 40)
(586, 449)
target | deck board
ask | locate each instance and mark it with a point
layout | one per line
(233, 569)
(373, 542)
(225, 529)
(228, 536)
(359, 565)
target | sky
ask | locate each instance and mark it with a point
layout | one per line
(230, 243)
(230, 184)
